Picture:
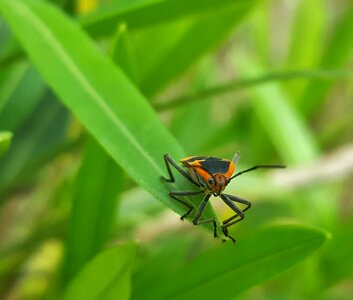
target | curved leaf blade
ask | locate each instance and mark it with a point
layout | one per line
(228, 270)
(97, 91)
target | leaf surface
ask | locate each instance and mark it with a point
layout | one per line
(228, 270)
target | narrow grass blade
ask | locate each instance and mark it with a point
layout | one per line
(93, 207)
(193, 116)
(306, 39)
(9, 80)
(282, 122)
(261, 30)
(191, 45)
(123, 53)
(137, 14)
(24, 98)
(107, 276)
(33, 143)
(241, 84)
(5, 140)
(292, 138)
(337, 55)
(307, 28)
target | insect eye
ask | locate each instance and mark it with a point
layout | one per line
(210, 181)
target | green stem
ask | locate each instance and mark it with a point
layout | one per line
(239, 84)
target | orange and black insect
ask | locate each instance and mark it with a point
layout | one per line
(211, 175)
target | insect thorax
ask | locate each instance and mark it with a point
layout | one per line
(213, 184)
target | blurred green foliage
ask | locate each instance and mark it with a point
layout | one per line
(93, 93)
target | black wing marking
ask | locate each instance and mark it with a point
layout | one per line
(215, 165)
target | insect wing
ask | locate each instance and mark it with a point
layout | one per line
(214, 165)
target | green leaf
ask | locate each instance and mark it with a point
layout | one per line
(34, 142)
(191, 45)
(107, 276)
(98, 93)
(307, 33)
(283, 123)
(193, 115)
(246, 83)
(306, 40)
(123, 54)
(9, 80)
(9, 47)
(93, 208)
(5, 140)
(339, 266)
(230, 269)
(137, 14)
(28, 89)
(292, 138)
(168, 36)
(337, 54)
(261, 31)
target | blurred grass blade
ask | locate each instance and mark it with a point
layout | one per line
(34, 143)
(196, 114)
(338, 54)
(137, 14)
(107, 276)
(284, 125)
(5, 140)
(93, 207)
(168, 36)
(9, 47)
(228, 270)
(100, 95)
(123, 54)
(23, 100)
(306, 40)
(292, 138)
(9, 80)
(240, 84)
(157, 262)
(261, 30)
(339, 267)
(186, 51)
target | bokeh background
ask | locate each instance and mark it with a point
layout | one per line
(271, 79)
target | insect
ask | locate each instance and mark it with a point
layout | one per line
(211, 175)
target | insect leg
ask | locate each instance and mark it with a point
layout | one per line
(240, 200)
(170, 161)
(229, 222)
(175, 194)
(199, 213)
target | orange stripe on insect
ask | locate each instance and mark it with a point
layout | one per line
(210, 175)
(203, 173)
(231, 170)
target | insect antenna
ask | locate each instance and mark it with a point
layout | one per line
(258, 167)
